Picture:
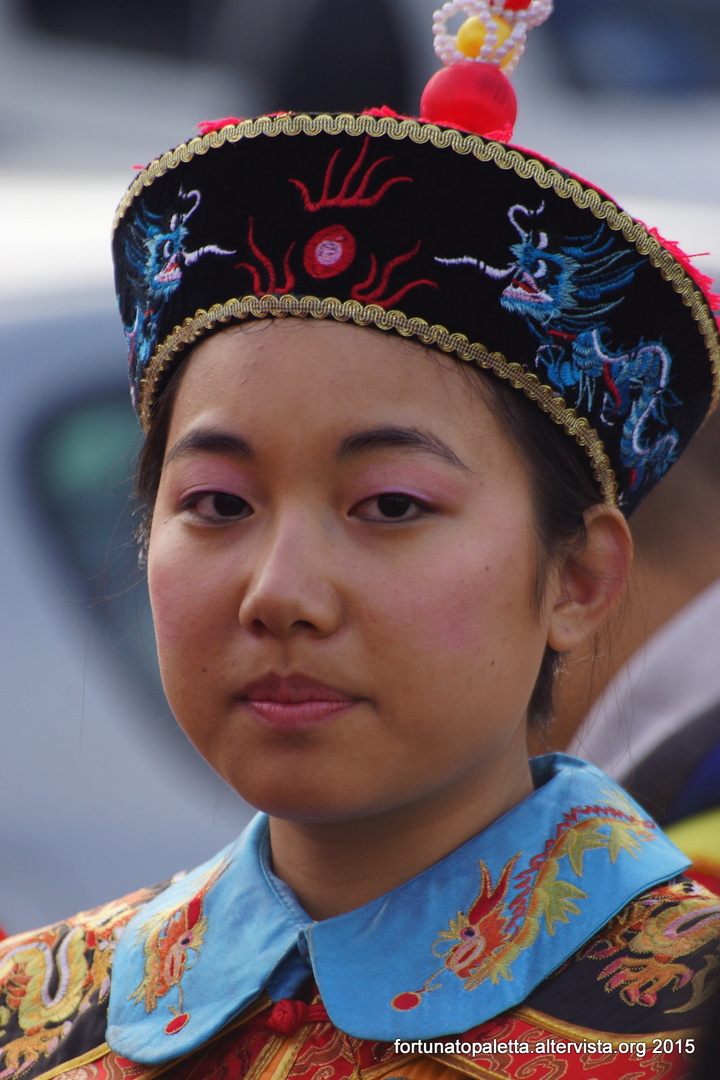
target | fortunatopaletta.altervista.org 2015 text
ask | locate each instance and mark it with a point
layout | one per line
(634, 1048)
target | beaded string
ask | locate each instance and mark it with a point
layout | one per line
(495, 31)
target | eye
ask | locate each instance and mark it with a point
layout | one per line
(167, 249)
(217, 507)
(542, 270)
(394, 506)
(391, 506)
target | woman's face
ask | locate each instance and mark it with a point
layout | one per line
(341, 570)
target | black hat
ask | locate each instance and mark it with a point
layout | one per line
(469, 245)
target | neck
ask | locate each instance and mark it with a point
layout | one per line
(334, 867)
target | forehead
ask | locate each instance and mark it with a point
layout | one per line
(327, 374)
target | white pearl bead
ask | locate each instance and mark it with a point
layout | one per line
(487, 11)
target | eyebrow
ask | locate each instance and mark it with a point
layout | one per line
(205, 441)
(211, 442)
(401, 438)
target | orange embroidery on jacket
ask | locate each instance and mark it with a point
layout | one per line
(49, 976)
(649, 941)
(487, 939)
(172, 939)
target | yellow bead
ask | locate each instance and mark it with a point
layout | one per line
(471, 35)
(470, 38)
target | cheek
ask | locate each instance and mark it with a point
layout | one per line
(184, 598)
(468, 603)
(171, 611)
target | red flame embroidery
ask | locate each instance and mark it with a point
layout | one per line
(266, 263)
(344, 197)
(365, 293)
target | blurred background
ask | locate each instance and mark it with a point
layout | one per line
(99, 791)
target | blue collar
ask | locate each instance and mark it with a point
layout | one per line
(464, 941)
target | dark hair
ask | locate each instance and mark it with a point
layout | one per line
(152, 455)
(562, 489)
(560, 475)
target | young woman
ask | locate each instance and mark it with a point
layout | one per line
(399, 384)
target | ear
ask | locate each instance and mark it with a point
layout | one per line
(590, 584)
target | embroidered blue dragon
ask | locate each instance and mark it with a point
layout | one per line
(156, 256)
(564, 291)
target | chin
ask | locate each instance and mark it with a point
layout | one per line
(309, 808)
(310, 801)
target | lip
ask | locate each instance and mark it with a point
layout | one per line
(294, 702)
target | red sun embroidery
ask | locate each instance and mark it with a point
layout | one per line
(329, 252)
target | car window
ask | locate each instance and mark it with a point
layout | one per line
(81, 460)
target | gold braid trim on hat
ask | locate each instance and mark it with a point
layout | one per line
(544, 174)
(372, 315)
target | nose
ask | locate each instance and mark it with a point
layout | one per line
(292, 588)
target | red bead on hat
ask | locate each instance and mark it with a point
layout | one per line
(475, 97)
